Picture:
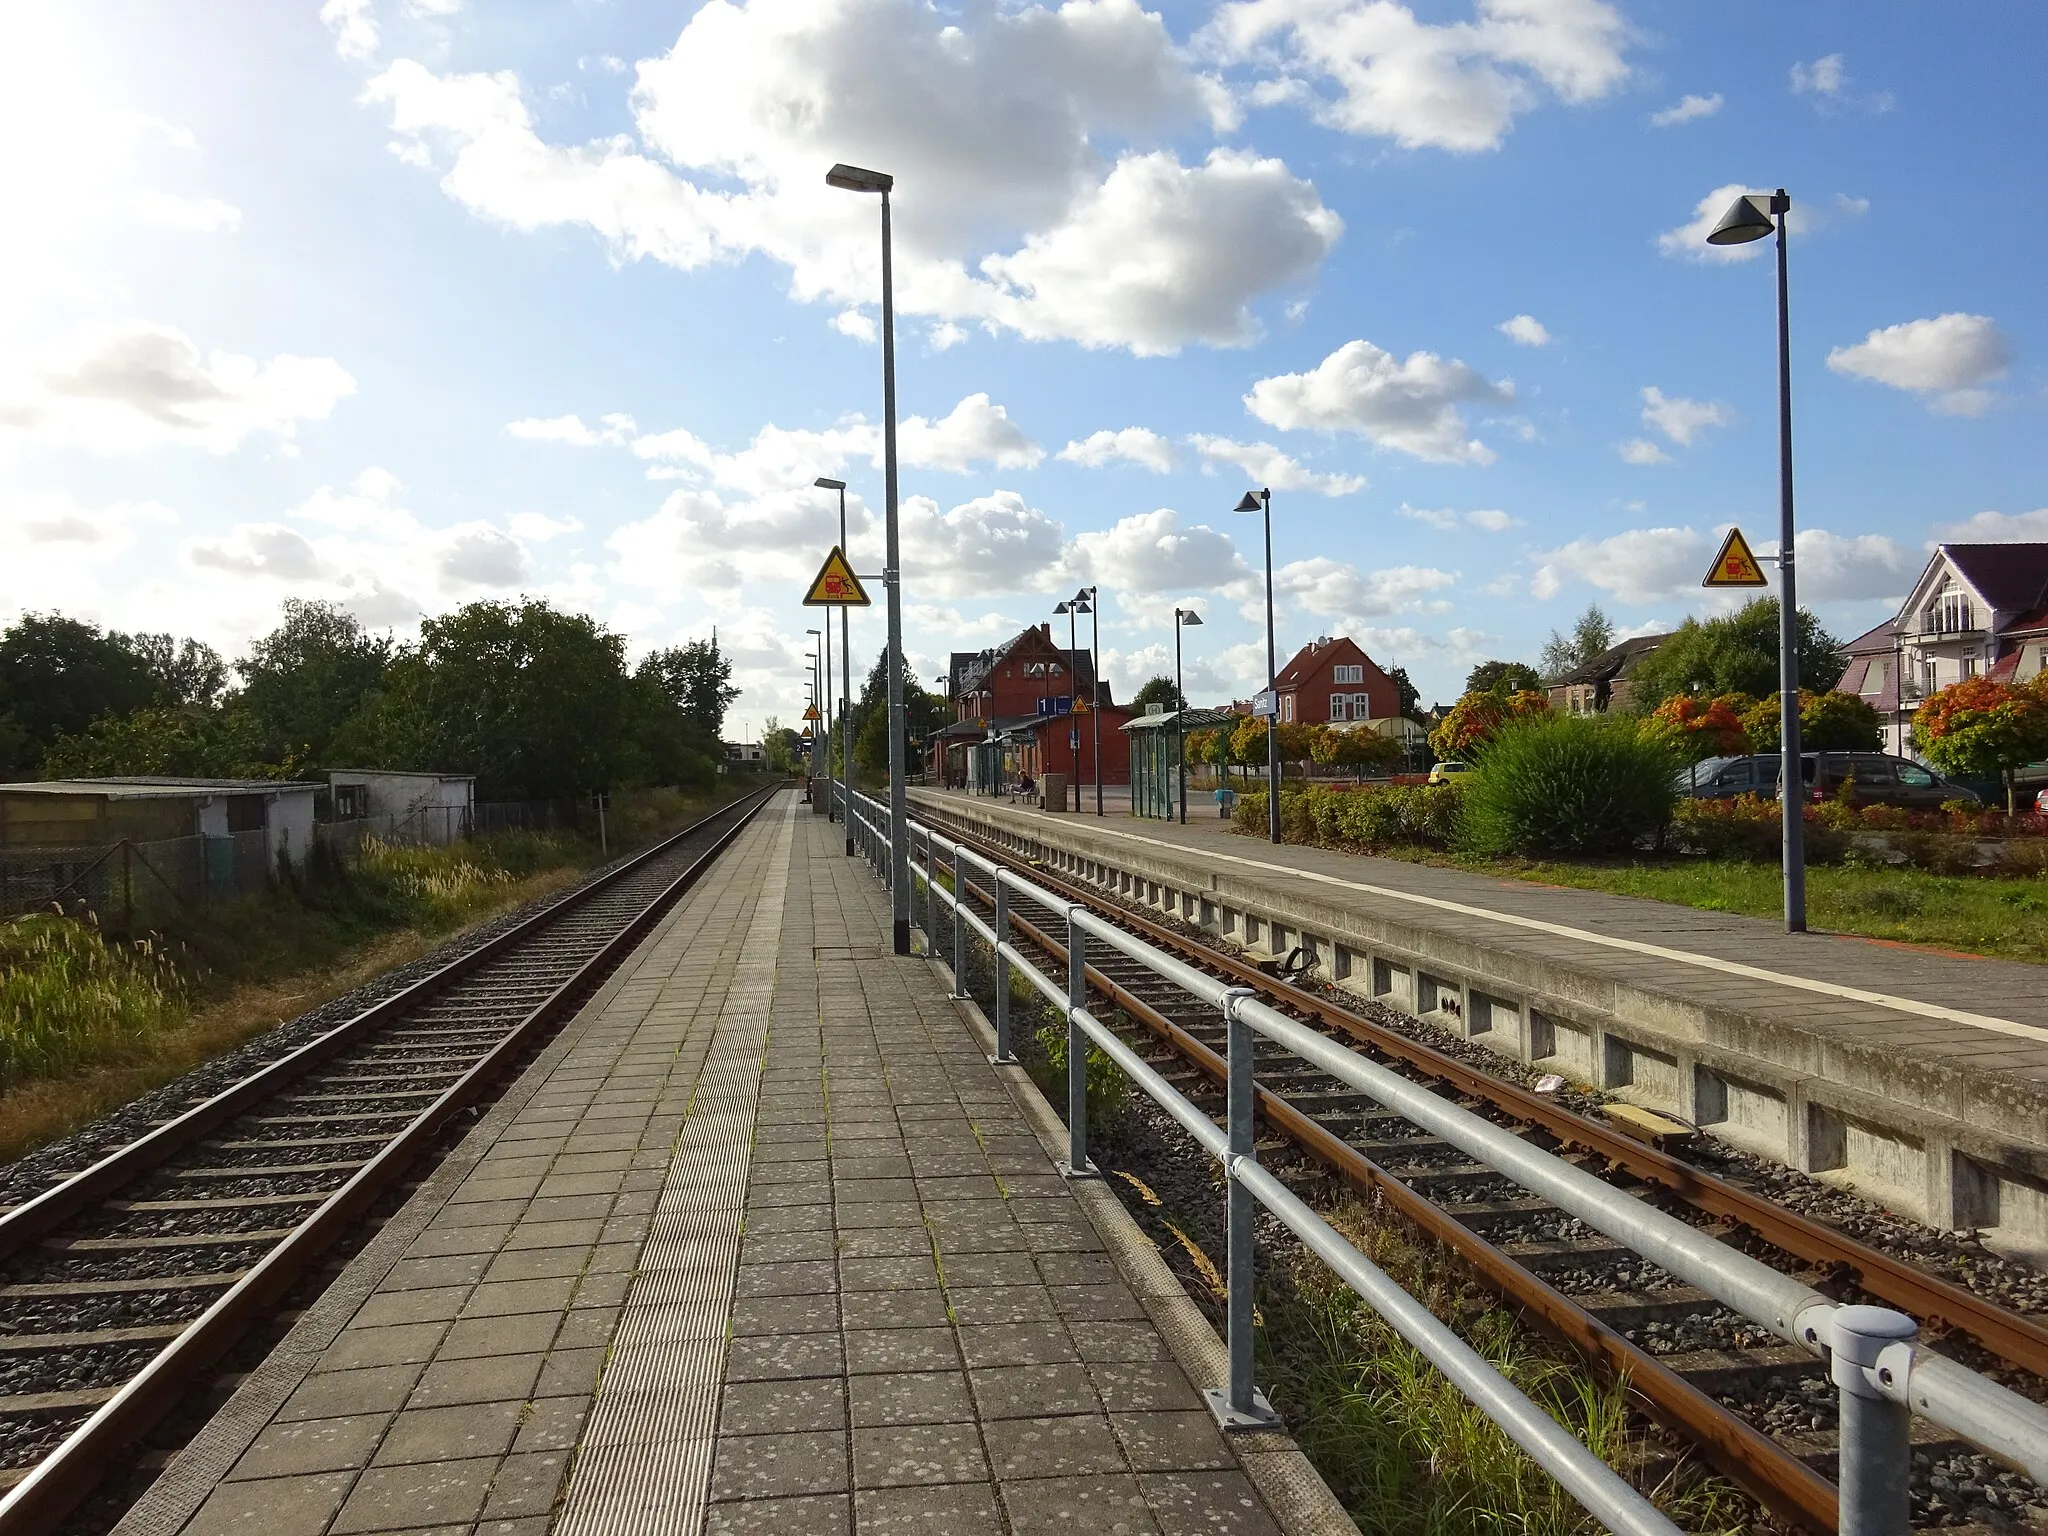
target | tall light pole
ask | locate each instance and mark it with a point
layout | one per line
(826, 483)
(823, 736)
(1752, 218)
(1255, 501)
(1183, 618)
(1071, 607)
(851, 178)
(1087, 598)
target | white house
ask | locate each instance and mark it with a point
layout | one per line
(405, 807)
(1978, 610)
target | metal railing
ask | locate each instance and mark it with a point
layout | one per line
(1881, 1374)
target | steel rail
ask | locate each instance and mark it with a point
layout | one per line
(65, 1476)
(1778, 1480)
(1939, 1303)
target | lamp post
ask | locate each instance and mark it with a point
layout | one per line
(851, 178)
(1183, 618)
(1752, 218)
(1078, 604)
(1087, 596)
(1254, 501)
(826, 483)
(824, 731)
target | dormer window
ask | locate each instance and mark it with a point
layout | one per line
(1951, 612)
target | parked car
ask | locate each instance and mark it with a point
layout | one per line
(1447, 770)
(1880, 779)
(1723, 778)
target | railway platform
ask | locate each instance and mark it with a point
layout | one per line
(760, 1243)
(1917, 1077)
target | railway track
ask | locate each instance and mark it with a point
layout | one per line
(124, 1284)
(1760, 1411)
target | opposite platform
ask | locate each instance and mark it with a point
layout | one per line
(762, 1243)
(1920, 1078)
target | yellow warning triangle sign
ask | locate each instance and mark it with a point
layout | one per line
(1735, 566)
(835, 585)
(811, 713)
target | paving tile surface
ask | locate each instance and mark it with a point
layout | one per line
(768, 1250)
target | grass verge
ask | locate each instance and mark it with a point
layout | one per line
(1977, 914)
(87, 1024)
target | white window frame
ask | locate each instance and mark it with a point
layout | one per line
(1348, 672)
(1340, 707)
(1287, 709)
(1361, 706)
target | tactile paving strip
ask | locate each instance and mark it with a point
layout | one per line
(645, 1461)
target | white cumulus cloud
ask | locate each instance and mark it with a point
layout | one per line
(1373, 67)
(1687, 109)
(1409, 405)
(1338, 590)
(354, 25)
(1640, 450)
(1033, 192)
(614, 428)
(1947, 360)
(1997, 528)
(1643, 565)
(1448, 520)
(974, 432)
(139, 385)
(190, 215)
(1525, 331)
(1135, 445)
(1150, 553)
(1267, 466)
(1680, 419)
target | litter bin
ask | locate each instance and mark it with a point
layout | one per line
(1052, 792)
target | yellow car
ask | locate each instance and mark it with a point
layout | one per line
(1449, 769)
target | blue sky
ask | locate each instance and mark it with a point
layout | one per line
(408, 302)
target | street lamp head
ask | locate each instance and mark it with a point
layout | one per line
(851, 178)
(1748, 218)
(1066, 608)
(1249, 504)
(1189, 616)
(1080, 605)
(826, 483)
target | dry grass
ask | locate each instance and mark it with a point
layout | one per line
(36, 1113)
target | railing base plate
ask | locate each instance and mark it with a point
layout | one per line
(1228, 1419)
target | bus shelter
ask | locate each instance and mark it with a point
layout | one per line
(1157, 742)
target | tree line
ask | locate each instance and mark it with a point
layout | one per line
(535, 702)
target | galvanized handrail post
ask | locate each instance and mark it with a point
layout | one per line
(959, 924)
(1240, 1405)
(1875, 1455)
(1002, 931)
(1077, 1165)
(931, 901)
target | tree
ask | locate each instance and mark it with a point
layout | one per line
(305, 678)
(1695, 729)
(697, 678)
(1592, 634)
(1358, 748)
(191, 742)
(1158, 690)
(59, 675)
(184, 671)
(779, 746)
(1828, 722)
(923, 713)
(1979, 726)
(1502, 677)
(1476, 718)
(535, 702)
(1407, 698)
(1737, 653)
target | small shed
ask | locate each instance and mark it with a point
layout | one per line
(1156, 748)
(151, 808)
(405, 807)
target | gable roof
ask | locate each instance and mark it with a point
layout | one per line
(1873, 642)
(968, 670)
(1615, 661)
(2010, 577)
(1311, 657)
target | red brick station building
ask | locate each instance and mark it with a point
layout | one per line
(1023, 707)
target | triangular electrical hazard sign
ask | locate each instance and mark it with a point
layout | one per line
(811, 713)
(1735, 566)
(835, 585)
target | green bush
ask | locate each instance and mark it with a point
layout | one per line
(1555, 784)
(1108, 1090)
(1366, 816)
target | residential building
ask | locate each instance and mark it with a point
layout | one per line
(1023, 707)
(1977, 610)
(1596, 686)
(1333, 682)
